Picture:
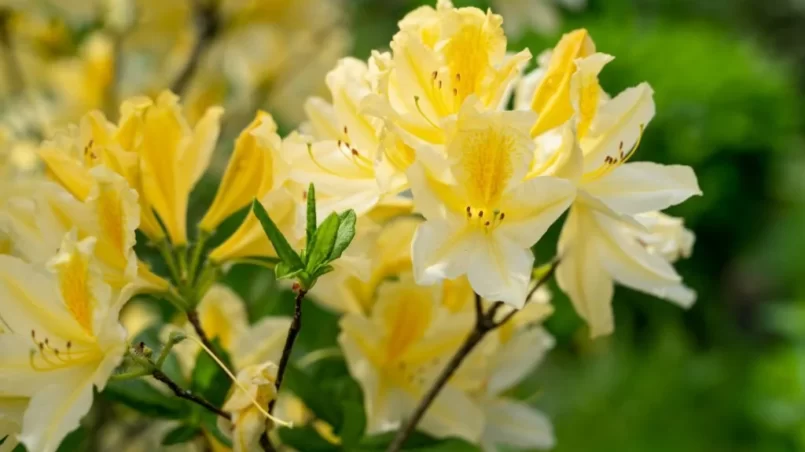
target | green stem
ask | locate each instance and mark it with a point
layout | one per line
(170, 260)
(175, 299)
(185, 281)
(131, 375)
(195, 258)
(174, 339)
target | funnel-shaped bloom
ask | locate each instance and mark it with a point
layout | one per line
(482, 214)
(398, 351)
(62, 339)
(439, 59)
(599, 243)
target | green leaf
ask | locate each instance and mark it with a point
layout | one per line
(283, 271)
(318, 252)
(281, 245)
(354, 424)
(181, 434)
(307, 439)
(146, 399)
(322, 270)
(346, 232)
(78, 439)
(209, 380)
(3, 440)
(311, 214)
(323, 404)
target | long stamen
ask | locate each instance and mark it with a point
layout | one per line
(316, 162)
(240, 386)
(419, 109)
(610, 163)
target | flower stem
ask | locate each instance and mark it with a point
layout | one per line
(293, 331)
(188, 395)
(192, 317)
(195, 258)
(164, 249)
(485, 322)
(207, 23)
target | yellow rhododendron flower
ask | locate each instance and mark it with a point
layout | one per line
(397, 352)
(595, 245)
(249, 423)
(345, 162)
(351, 288)
(63, 339)
(38, 221)
(510, 422)
(439, 59)
(256, 167)
(483, 216)
(153, 147)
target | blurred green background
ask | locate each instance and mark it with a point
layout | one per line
(728, 375)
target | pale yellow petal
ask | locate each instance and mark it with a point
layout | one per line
(249, 171)
(551, 99)
(581, 275)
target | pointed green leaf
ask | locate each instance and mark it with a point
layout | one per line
(346, 232)
(311, 213)
(321, 271)
(281, 270)
(318, 252)
(281, 245)
(181, 434)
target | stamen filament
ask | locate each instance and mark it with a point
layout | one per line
(240, 386)
(419, 109)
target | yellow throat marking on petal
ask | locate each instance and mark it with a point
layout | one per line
(467, 56)
(487, 164)
(76, 292)
(588, 103)
(111, 217)
(407, 321)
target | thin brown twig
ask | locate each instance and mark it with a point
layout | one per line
(484, 323)
(188, 395)
(192, 317)
(293, 332)
(205, 16)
